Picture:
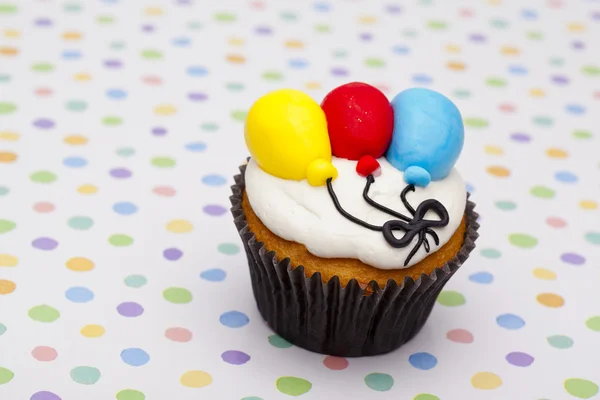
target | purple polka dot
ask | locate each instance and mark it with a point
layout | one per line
(572, 258)
(365, 36)
(477, 38)
(43, 123)
(560, 79)
(120, 173)
(158, 131)
(44, 395)
(172, 254)
(130, 309)
(339, 71)
(263, 30)
(43, 22)
(184, 2)
(214, 209)
(44, 243)
(521, 137)
(235, 357)
(519, 359)
(147, 28)
(578, 45)
(393, 9)
(596, 15)
(116, 64)
(197, 96)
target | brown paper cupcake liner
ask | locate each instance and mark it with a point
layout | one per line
(345, 321)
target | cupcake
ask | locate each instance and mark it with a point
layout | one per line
(352, 214)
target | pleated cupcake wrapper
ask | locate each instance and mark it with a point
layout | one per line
(327, 318)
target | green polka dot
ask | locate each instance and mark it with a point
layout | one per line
(85, 375)
(340, 53)
(499, 23)
(2, 329)
(506, 205)
(239, 115)
(151, 54)
(117, 45)
(4, 78)
(535, 35)
(135, 281)
(425, 396)
(491, 253)
(272, 76)
(593, 237)
(43, 313)
(522, 240)
(7, 108)
(163, 162)
(228, 248)
(42, 67)
(111, 121)
(81, 223)
(379, 382)
(542, 192)
(593, 323)
(177, 295)
(7, 8)
(225, 17)
(476, 122)
(6, 226)
(72, 7)
(581, 134)
(126, 151)
(560, 341)
(495, 82)
(4, 190)
(76, 105)
(120, 240)
(288, 16)
(209, 127)
(194, 25)
(543, 120)
(293, 386)
(130, 394)
(105, 19)
(235, 86)
(279, 342)
(322, 28)
(6, 375)
(437, 25)
(43, 177)
(374, 63)
(451, 298)
(410, 33)
(591, 70)
(462, 93)
(557, 61)
(580, 388)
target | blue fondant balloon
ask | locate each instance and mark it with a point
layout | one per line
(428, 135)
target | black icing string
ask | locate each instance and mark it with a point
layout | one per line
(412, 227)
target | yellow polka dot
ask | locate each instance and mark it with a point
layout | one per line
(456, 65)
(154, 11)
(498, 171)
(164, 109)
(486, 381)
(545, 274)
(495, 2)
(9, 136)
(236, 59)
(7, 157)
(453, 48)
(294, 44)
(9, 51)
(367, 19)
(236, 41)
(550, 300)
(12, 33)
(71, 36)
(556, 153)
(537, 92)
(76, 140)
(510, 51)
(92, 331)
(7, 287)
(576, 27)
(313, 85)
(588, 204)
(179, 226)
(195, 379)
(493, 150)
(80, 264)
(87, 189)
(6, 260)
(82, 77)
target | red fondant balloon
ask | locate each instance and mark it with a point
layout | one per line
(360, 121)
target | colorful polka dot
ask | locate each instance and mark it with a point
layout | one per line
(379, 382)
(135, 281)
(460, 336)
(573, 258)
(78, 294)
(177, 295)
(451, 298)
(130, 394)
(423, 361)
(44, 353)
(279, 342)
(195, 379)
(6, 375)
(235, 357)
(544, 273)
(335, 363)
(580, 388)
(43, 313)
(135, 357)
(85, 375)
(593, 323)
(181, 335)
(486, 381)
(522, 240)
(120, 240)
(179, 226)
(560, 341)
(519, 359)
(510, 321)
(130, 309)
(92, 331)
(234, 319)
(213, 275)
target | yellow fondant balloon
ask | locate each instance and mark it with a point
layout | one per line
(286, 134)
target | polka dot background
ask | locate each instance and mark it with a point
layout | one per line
(121, 127)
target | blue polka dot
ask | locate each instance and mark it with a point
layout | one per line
(214, 180)
(517, 70)
(234, 319)
(320, 6)
(71, 55)
(422, 79)
(125, 208)
(298, 63)
(135, 357)
(196, 146)
(565, 176)
(510, 321)
(576, 109)
(181, 42)
(116, 94)
(78, 294)
(75, 162)
(481, 277)
(529, 14)
(422, 361)
(196, 70)
(399, 49)
(213, 275)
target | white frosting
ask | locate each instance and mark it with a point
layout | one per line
(297, 211)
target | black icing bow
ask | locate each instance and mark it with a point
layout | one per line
(412, 227)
